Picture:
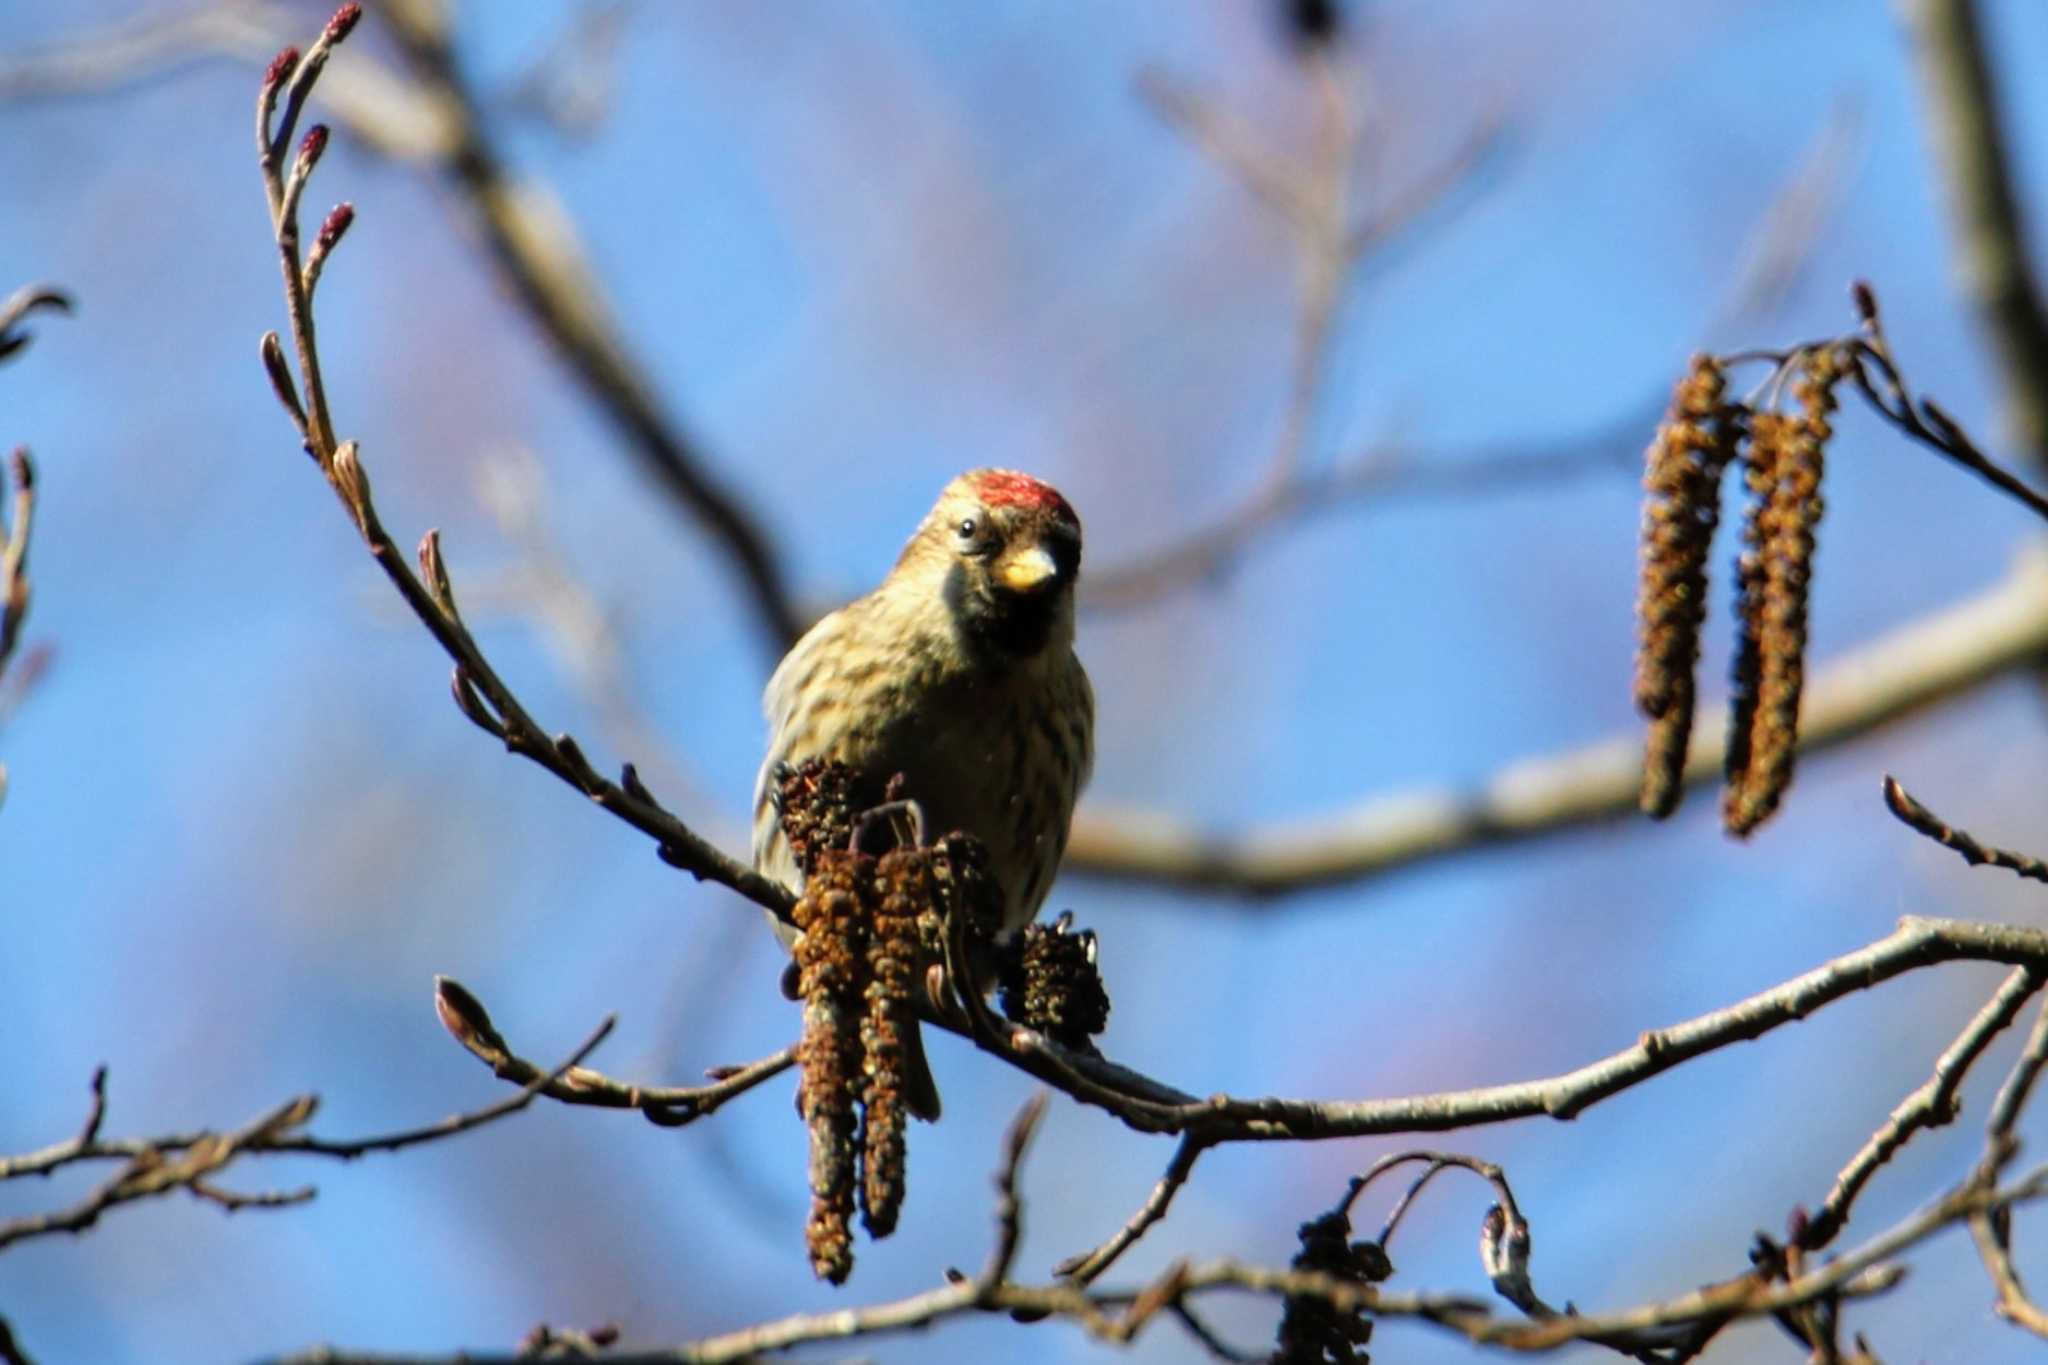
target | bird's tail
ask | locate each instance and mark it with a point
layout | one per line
(921, 1092)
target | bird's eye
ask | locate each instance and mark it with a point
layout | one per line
(967, 528)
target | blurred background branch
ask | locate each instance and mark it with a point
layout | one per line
(1947, 654)
(435, 120)
(1993, 260)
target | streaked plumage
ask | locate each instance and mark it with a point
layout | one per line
(959, 672)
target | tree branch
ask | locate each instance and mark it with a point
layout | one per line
(1935, 1103)
(158, 1166)
(538, 256)
(1121, 1316)
(1916, 816)
(1944, 655)
(479, 692)
(1961, 100)
(466, 1020)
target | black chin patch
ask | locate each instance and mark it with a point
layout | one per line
(1000, 624)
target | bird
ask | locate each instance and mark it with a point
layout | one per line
(959, 673)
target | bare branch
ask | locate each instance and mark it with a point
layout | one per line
(1917, 943)
(1935, 1103)
(540, 259)
(1991, 1230)
(1941, 656)
(1315, 201)
(158, 1166)
(483, 695)
(1911, 813)
(14, 583)
(1084, 1268)
(466, 1020)
(1121, 1316)
(1921, 417)
(2013, 1304)
(1208, 553)
(1997, 271)
(18, 305)
(11, 1352)
(434, 120)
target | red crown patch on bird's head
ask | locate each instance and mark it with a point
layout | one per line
(1007, 488)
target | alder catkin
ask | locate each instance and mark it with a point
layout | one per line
(831, 960)
(904, 890)
(1682, 482)
(1786, 509)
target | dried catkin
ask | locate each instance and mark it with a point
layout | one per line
(1682, 482)
(1785, 510)
(904, 889)
(830, 955)
(1050, 984)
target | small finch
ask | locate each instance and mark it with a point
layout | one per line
(959, 673)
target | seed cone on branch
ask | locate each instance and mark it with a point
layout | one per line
(1050, 983)
(1682, 481)
(1312, 1332)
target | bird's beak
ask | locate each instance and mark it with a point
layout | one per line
(1028, 571)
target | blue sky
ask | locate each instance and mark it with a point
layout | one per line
(861, 248)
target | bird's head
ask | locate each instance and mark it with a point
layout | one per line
(1004, 550)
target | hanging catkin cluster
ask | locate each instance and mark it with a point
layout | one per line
(1049, 983)
(1781, 456)
(1312, 1330)
(870, 928)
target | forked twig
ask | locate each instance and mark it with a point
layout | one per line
(466, 1020)
(479, 691)
(189, 1161)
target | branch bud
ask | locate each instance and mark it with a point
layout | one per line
(336, 224)
(280, 68)
(344, 20)
(310, 148)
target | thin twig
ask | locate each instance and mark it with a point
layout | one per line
(11, 1352)
(17, 306)
(482, 694)
(1119, 1316)
(1087, 1266)
(1376, 475)
(435, 120)
(1992, 1230)
(1911, 813)
(1933, 1104)
(14, 581)
(467, 1021)
(1974, 158)
(539, 258)
(189, 1162)
(1314, 201)
(2012, 1304)
(2019, 1083)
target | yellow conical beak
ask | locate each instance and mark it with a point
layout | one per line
(1029, 570)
